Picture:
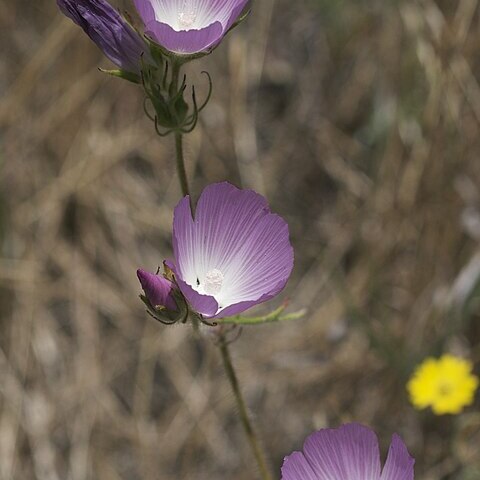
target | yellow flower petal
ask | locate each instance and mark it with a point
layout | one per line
(445, 384)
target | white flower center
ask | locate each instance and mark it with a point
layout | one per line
(213, 282)
(186, 18)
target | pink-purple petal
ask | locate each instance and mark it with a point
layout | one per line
(211, 19)
(240, 307)
(145, 10)
(184, 241)
(184, 42)
(206, 305)
(223, 11)
(267, 261)
(158, 289)
(235, 233)
(225, 220)
(236, 12)
(349, 452)
(296, 467)
(206, 11)
(399, 464)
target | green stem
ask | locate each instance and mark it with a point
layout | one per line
(242, 410)
(182, 173)
(176, 66)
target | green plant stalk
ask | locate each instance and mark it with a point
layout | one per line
(182, 172)
(242, 410)
(223, 344)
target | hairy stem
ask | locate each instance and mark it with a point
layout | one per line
(182, 173)
(242, 411)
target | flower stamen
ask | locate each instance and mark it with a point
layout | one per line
(213, 282)
(186, 17)
(444, 390)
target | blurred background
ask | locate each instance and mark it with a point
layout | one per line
(359, 120)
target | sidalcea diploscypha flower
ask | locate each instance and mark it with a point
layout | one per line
(110, 32)
(348, 453)
(233, 255)
(189, 27)
(175, 31)
(447, 385)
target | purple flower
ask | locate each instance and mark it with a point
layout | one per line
(235, 254)
(103, 24)
(158, 290)
(347, 453)
(189, 26)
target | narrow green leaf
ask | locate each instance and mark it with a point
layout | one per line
(275, 316)
(131, 77)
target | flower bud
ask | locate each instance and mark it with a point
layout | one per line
(158, 290)
(110, 32)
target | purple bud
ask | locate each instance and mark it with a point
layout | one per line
(111, 33)
(158, 289)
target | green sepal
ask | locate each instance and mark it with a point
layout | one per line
(183, 310)
(131, 77)
(161, 107)
(240, 20)
(180, 109)
(147, 303)
(164, 315)
(171, 108)
(157, 55)
(275, 316)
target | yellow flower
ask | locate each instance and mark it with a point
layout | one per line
(445, 384)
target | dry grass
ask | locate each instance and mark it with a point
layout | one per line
(359, 120)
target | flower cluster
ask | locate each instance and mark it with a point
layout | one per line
(173, 32)
(446, 385)
(180, 27)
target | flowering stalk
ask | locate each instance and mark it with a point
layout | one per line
(181, 170)
(182, 173)
(242, 409)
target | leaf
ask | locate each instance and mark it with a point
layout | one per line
(275, 316)
(131, 77)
